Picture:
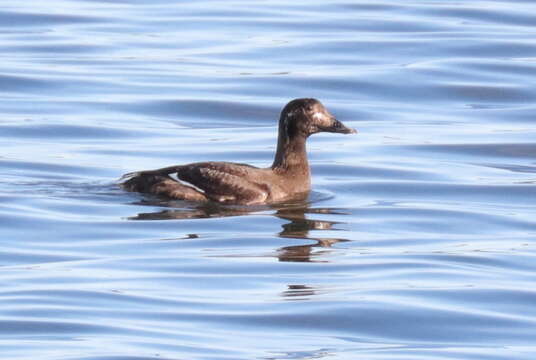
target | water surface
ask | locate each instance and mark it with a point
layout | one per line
(417, 242)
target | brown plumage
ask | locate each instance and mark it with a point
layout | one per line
(233, 183)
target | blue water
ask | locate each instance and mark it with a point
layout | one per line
(417, 242)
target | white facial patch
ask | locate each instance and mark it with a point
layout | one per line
(321, 118)
(318, 116)
(287, 118)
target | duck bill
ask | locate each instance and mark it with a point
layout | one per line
(338, 127)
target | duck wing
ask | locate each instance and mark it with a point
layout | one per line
(225, 182)
(220, 181)
(226, 167)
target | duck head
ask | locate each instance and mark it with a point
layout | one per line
(304, 117)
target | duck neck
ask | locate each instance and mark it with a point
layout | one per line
(291, 156)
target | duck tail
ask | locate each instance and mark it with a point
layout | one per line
(140, 182)
(129, 175)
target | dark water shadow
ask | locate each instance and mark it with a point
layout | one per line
(297, 226)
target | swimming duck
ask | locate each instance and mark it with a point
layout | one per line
(233, 183)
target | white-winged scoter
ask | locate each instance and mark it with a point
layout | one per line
(233, 183)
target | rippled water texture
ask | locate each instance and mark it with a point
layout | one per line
(418, 241)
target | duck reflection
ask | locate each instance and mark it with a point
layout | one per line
(298, 291)
(298, 226)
